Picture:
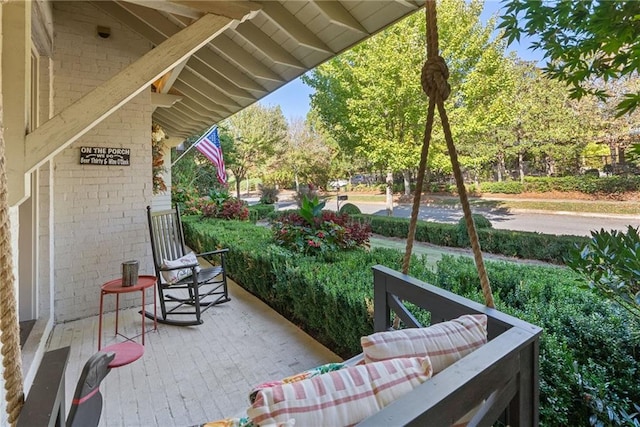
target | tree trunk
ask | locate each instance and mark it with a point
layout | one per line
(500, 166)
(238, 188)
(550, 165)
(389, 193)
(297, 182)
(406, 174)
(521, 166)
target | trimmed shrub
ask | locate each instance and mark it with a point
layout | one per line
(588, 184)
(594, 173)
(505, 187)
(519, 244)
(350, 209)
(479, 220)
(589, 351)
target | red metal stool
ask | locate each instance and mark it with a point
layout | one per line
(126, 352)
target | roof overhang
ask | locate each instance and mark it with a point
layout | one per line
(275, 43)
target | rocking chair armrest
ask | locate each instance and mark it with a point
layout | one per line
(216, 252)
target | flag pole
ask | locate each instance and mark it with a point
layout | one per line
(193, 145)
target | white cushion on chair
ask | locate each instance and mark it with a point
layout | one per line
(173, 276)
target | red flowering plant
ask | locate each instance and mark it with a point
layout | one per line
(313, 231)
(221, 205)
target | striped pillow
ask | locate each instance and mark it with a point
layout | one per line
(340, 398)
(445, 343)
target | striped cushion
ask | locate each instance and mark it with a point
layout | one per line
(445, 343)
(340, 398)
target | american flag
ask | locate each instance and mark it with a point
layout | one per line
(209, 146)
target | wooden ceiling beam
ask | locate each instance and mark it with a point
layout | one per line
(81, 116)
(208, 90)
(179, 117)
(205, 88)
(164, 100)
(224, 75)
(200, 99)
(264, 44)
(196, 113)
(338, 15)
(288, 23)
(230, 9)
(238, 55)
(190, 103)
(196, 65)
(169, 7)
(244, 59)
(165, 83)
(229, 71)
(176, 124)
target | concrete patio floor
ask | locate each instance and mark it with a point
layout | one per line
(191, 375)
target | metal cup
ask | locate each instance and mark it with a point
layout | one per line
(130, 273)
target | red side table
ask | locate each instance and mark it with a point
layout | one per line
(115, 287)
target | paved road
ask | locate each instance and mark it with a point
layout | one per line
(520, 220)
(517, 219)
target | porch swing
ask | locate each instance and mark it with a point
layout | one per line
(498, 381)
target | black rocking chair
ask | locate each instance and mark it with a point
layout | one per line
(193, 289)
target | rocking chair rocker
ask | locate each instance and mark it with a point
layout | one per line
(184, 289)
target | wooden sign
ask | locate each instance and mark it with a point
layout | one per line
(104, 156)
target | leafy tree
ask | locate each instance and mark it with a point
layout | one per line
(307, 156)
(254, 135)
(534, 118)
(371, 98)
(614, 132)
(583, 40)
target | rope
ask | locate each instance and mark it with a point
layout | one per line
(434, 83)
(9, 327)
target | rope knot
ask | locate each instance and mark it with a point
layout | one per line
(434, 78)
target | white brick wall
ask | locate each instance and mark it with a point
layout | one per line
(99, 211)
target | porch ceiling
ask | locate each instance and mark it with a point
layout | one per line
(280, 41)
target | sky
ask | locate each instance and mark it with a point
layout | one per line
(294, 97)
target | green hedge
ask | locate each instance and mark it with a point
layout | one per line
(589, 357)
(519, 244)
(587, 184)
(300, 288)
